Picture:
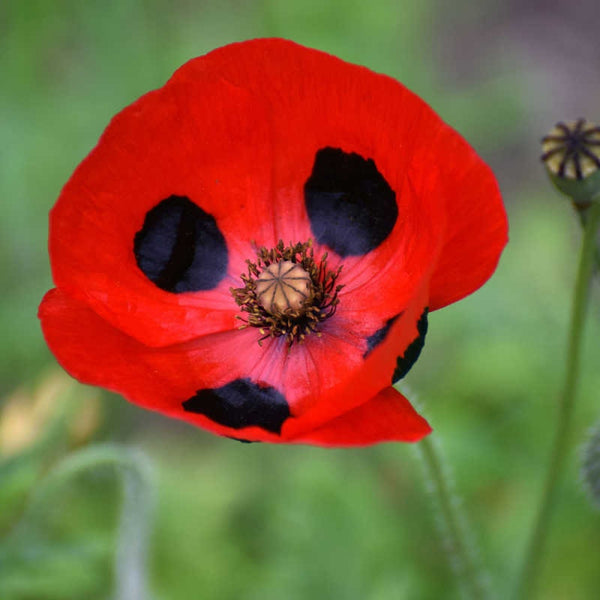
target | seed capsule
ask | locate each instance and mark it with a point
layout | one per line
(571, 150)
(283, 286)
(571, 153)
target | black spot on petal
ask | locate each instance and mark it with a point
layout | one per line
(351, 207)
(409, 358)
(180, 247)
(375, 339)
(241, 403)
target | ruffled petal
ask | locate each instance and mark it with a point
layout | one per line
(198, 141)
(94, 352)
(388, 417)
(256, 142)
(329, 375)
(239, 135)
(316, 101)
(450, 214)
(177, 380)
(160, 379)
(476, 227)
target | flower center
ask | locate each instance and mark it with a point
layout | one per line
(283, 286)
(287, 292)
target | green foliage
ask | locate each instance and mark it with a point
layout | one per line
(261, 522)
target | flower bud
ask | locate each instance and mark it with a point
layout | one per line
(571, 153)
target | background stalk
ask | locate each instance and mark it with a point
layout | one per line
(539, 535)
(462, 555)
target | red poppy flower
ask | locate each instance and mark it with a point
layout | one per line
(172, 285)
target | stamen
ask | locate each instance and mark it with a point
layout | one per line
(287, 292)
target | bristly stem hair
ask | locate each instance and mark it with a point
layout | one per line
(458, 543)
(537, 541)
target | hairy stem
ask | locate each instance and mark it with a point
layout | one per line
(539, 534)
(459, 546)
(137, 504)
(583, 212)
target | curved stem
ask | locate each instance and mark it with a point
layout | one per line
(458, 544)
(134, 523)
(539, 533)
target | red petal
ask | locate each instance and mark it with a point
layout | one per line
(477, 227)
(388, 417)
(449, 204)
(161, 379)
(237, 131)
(329, 375)
(164, 144)
(94, 352)
(316, 100)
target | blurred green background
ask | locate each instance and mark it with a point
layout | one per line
(256, 521)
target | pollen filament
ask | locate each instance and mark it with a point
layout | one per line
(287, 292)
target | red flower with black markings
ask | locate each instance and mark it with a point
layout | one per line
(255, 246)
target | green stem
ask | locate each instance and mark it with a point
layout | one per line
(134, 524)
(460, 550)
(583, 212)
(537, 541)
